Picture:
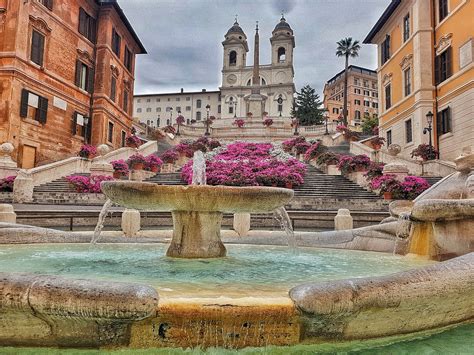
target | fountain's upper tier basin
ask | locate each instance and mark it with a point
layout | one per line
(229, 199)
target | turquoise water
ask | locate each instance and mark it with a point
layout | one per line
(247, 270)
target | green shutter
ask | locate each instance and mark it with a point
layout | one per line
(90, 80)
(449, 62)
(42, 112)
(82, 21)
(74, 124)
(77, 79)
(24, 103)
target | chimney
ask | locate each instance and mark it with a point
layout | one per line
(182, 90)
(203, 90)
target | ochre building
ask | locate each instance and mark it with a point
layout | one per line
(66, 76)
(425, 56)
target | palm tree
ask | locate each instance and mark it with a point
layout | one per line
(347, 48)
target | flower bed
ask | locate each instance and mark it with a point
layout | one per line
(87, 151)
(250, 164)
(350, 164)
(408, 189)
(87, 184)
(6, 184)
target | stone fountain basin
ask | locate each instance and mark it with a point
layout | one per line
(197, 198)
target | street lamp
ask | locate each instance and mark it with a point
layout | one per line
(326, 118)
(179, 119)
(208, 108)
(171, 116)
(280, 102)
(296, 122)
(429, 120)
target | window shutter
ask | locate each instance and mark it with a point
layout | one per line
(42, 112)
(88, 134)
(437, 69)
(92, 29)
(77, 79)
(35, 47)
(449, 62)
(90, 80)
(113, 88)
(41, 49)
(24, 103)
(74, 124)
(448, 119)
(49, 4)
(82, 21)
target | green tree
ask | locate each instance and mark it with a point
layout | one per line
(307, 108)
(347, 48)
(369, 124)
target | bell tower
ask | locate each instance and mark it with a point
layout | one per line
(235, 48)
(283, 42)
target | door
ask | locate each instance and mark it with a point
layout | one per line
(28, 157)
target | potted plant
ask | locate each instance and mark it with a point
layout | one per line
(6, 184)
(425, 152)
(377, 142)
(387, 184)
(315, 150)
(120, 168)
(412, 186)
(169, 157)
(375, 170)
(153, 163)
(267, 122)
(136, 162)
(87, 151)
(133, 141)
(351, 164)
(239, 122)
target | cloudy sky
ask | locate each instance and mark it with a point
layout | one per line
(183, 37)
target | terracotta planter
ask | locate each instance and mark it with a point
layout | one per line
(289, 185)
(155, 168)
(117, 174)
(138, 166)
(387, 196)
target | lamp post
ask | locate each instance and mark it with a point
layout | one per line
(171, 116)
(208, 108)
(280, 102)
(326, 119)
(296, 122)
(179, 118)
(429, 120)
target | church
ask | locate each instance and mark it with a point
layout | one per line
(245, 88)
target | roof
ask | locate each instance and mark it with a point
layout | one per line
(124, 19)
(352, 68)
(235, 29)
(382, 20)
(179, 93)
(282, 25)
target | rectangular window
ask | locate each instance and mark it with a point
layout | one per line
(33, 106)
(37, 48)
(388, 96)
(139, 110)
(366, 83)
(357, 102)
(408, 131)
(148, 109)
(178, 108)
(231, 109)
(188, 108)
(48, 4)
(123, 137)
(443, 9)
(84, 77)
(389, 138)
(113, 88)
(406, 27)
(110, 133)
(407, 81)
(80, 124)
(443, 66)
(127, 59)
(366, 103)
(375, 105)
(198, 116)
(385, 49)
(158, 100)
(366, 93)
(188, 98)
(178, 99)
(87, 25)
(357, 115)
(444, 121)
(198, 103)
(218, 108)
(116, 42)
(125, 100)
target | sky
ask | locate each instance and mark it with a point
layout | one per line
(183, 38)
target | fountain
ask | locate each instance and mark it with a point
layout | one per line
(197, 209)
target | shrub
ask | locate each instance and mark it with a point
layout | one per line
(349, 164)
(328, 158)
(6, 184)
(169, 157)
(120, 166)
(239, 122)
(289, 144)
(152, 161)
(369, 125)
(301, 148)
(267, 122)
(412, 186)
(87, 184)
(385, 183)
(314, 151)
(249, 164)
(87, 151)
(133, 141)
(424, 152)
(185, 149)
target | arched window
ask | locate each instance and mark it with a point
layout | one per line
(198, 103)
(262, 82)
(281, 55)
(198, 116)
(280, 103)
(233, 58)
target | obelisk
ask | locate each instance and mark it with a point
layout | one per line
(256, 101)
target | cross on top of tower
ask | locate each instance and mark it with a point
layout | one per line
(236, 18)
(256, 28)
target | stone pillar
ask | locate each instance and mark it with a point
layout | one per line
(130, 222)
(7, 215)
(23, 189)
(242, 224)
(400, 170)
(7, 166)
(343, 220)
(99, 165)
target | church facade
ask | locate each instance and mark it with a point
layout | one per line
(275, 85)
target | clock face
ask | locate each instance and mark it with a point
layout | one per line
(232, 79)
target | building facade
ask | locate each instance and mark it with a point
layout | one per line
(159, 110)
(66, 76)
(362, 92)
(425, 54)
(231, 100)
